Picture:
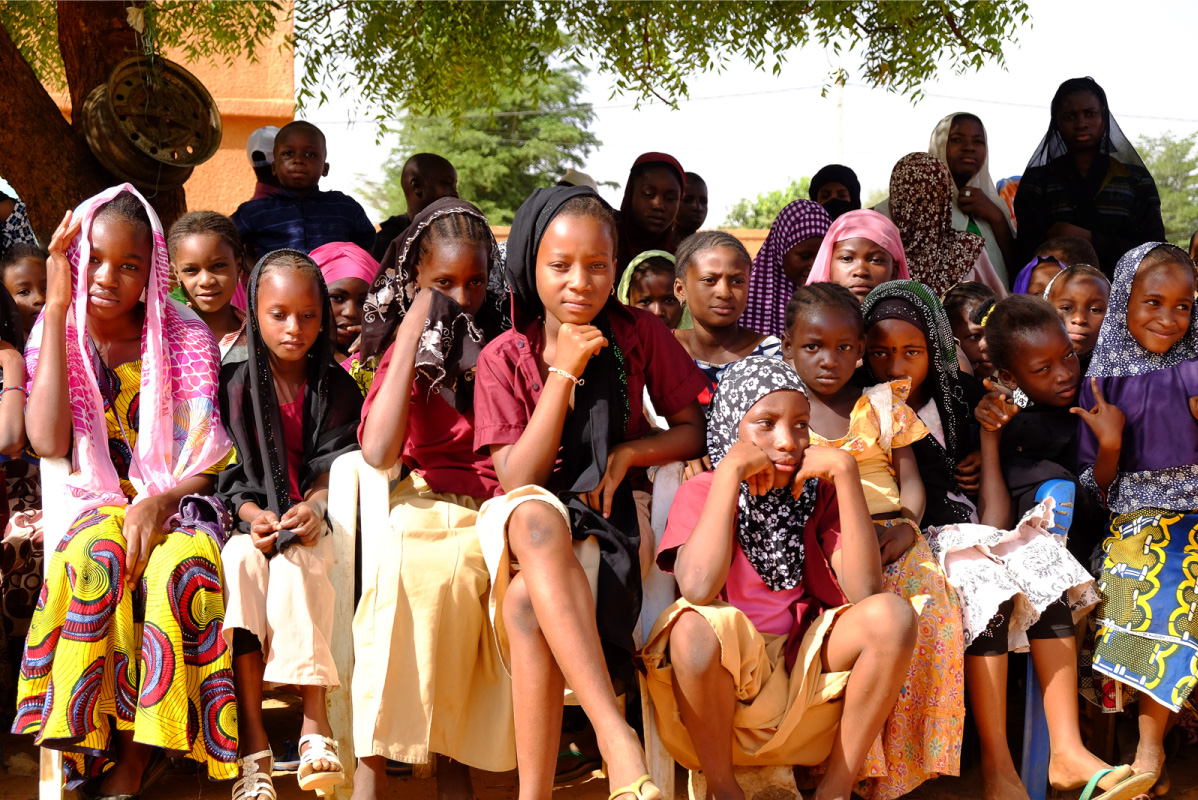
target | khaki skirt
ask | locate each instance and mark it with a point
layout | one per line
(781, 718)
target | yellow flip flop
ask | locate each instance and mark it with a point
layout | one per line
(635, 789)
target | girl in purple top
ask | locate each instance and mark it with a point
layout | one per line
(1138, 450)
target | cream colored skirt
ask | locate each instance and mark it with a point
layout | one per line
(427, 677)
(781, 718)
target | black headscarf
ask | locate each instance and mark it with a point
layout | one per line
(1114, 142)
(598, 422)
(448, 352)
(250, 410)
(10, 320)
(837, 173)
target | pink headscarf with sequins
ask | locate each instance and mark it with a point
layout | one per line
(179, 430)
(860, 224)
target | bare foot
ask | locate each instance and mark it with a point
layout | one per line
(1150, 758)
(369, 778)
(1073, 770)
(1001, 786)
(626, 764)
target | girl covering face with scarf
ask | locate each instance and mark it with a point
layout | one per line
(291, 413)
(768, 549)
(128, 389)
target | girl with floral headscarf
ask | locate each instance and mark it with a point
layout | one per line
(131, 661)
(763, 652)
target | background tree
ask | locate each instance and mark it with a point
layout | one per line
(1174, 166)
(761, 211)
(436, 59)
(500, 157)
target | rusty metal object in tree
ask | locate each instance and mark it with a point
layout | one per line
(152, 123)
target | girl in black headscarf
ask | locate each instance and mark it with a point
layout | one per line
(558, 406)
(1086, 180)
(836, 188)
(291, 411)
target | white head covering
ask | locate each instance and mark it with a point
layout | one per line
(938, 146)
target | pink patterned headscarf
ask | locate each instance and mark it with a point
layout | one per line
(860, 224)
(340, 260)
(179, 430)
(769, 288)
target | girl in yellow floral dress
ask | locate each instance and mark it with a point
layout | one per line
(825, 340)
(125, 660)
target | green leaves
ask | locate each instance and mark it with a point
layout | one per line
(761, 211)
(1174, 166)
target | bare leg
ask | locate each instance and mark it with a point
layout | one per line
(878, 664)
(453, 780)
(124, 777)
(316, 720)
(247, 685)
(1070, 763)
(1150, 752)
(986, 682)
(706, 696)
(553, 605)
(369, 778)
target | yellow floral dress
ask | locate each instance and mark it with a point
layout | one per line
(152, 659)
(922, 737)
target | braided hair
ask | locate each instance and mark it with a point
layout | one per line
(823, 295)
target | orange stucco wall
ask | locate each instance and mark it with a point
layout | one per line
(249, 95)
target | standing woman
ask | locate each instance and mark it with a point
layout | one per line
(1086, 180)
(921, 205)
(125, 657)
(649, 211)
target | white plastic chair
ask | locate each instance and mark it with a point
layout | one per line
(54, 474)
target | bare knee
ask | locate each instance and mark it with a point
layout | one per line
(535, 526)
(518, 613)
(694, 647)
(892, 618)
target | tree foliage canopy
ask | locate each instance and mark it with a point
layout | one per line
(500, 158)
(1174, 166)
(761, 211)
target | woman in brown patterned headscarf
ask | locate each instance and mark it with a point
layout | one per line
(921, 206)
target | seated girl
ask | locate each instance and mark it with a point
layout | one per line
(648, 213)
(348, 272)
(428, 680)
(960, 304)
(208, 260)
(825, 340)
(558, 406)
(921, 205)
(1010, 583)
(861, 250)
(784, 648)
(23, 273)
(648, 284)
(137, 413)
(291, 413)
(783, 264)
(1080, 294)
(1137, 449)
(712, 281)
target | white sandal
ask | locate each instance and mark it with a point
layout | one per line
(320, 748)
(255, 783)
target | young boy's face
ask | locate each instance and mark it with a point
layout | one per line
(300, 160)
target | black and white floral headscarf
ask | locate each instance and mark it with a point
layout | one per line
(1117, 353)
(769, 527)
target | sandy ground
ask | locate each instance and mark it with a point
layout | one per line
(283, 720)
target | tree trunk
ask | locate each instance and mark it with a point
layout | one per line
(45, 159)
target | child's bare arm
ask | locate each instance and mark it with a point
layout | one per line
(858, 563)
(1106, 421)
(912, 496)
(994, 501)
(701, 565)
(49, 423)
(12, 403)
(386, 425)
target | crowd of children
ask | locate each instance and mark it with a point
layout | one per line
(903, 459)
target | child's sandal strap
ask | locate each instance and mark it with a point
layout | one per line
(254, 783)
(635, 789)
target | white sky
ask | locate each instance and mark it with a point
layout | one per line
(747, 132)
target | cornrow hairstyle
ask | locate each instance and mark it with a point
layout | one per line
(1010, 323)
(963, 296)
(652, 265)
(282, 260)
(20, 251)
(1075, 271)
(126, 207)
(979, 313)
(206, 223)
(1169, 254)
(592, 206)
(823, 295)
(1074, 249)
(704, 241)
(452, 227)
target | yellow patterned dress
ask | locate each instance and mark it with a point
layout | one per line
(151, 659)
(922, 737)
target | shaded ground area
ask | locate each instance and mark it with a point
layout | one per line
(283, 721)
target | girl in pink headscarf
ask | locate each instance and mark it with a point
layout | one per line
(348, 272)
(861, 250)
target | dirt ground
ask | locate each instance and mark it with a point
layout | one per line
(18, 779)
